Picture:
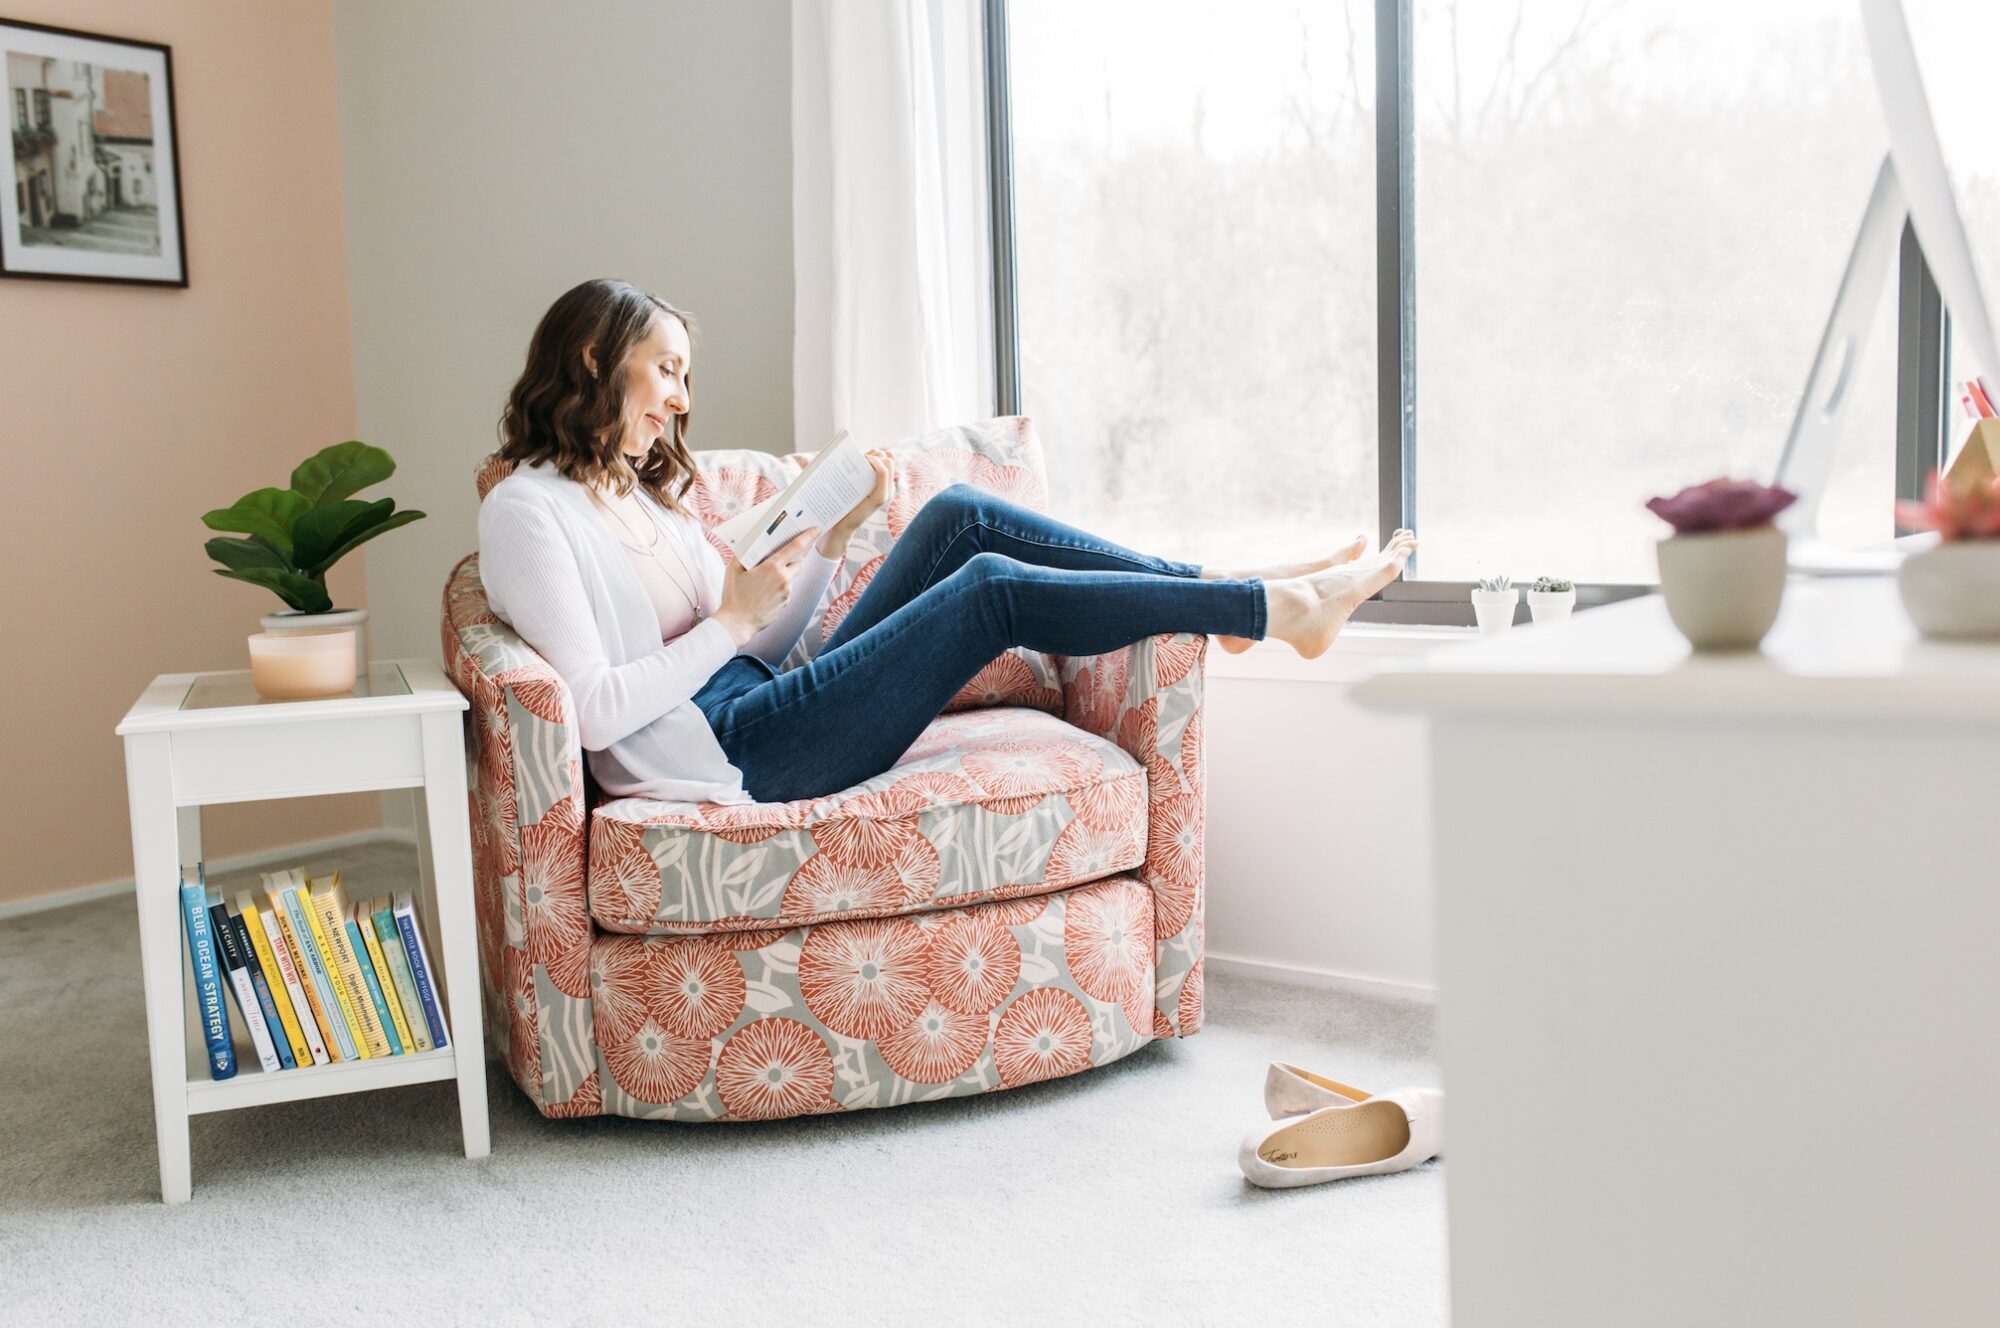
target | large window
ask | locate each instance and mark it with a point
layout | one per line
(1631, 222)
(1195, 230)
(1610, 235)
(1954, 43)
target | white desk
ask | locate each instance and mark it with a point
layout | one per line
(198, 738)
(1719, 956)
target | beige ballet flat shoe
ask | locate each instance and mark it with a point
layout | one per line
(1290, 1091)
(1388, 1132)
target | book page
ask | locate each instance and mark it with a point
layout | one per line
(831, 484)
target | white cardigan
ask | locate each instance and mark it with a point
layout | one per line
(554, 572)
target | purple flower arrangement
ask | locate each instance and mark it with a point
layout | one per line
(1722, 504)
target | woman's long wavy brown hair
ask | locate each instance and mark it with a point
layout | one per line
(561, 413)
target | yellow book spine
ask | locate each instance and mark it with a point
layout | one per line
(316, 920)
(281, 995)
(330, 907)
(366, 922)
(305, 976)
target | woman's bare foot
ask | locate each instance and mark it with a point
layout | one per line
(1236, 645)
(1285, 571)
(1308, 612)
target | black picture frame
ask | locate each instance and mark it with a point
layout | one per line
(95, 147)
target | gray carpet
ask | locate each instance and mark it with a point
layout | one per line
(1109, 1198)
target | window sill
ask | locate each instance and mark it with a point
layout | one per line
(1359, 651)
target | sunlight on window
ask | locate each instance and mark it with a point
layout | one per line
(1631, 223)
(1194, 203)
(1955, 46)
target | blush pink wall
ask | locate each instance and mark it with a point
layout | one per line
(126, 412)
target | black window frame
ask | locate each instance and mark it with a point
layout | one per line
(1923, 333)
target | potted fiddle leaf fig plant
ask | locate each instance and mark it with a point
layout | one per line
(1722, 571)
(285, 540)
(1953, 589)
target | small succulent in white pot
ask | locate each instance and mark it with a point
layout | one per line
(1722, 571)
(1493, 604)
(1952, 591)
(1551, 598)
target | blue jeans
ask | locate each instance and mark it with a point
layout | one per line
(972, 575)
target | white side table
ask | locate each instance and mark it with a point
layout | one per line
(194, 739)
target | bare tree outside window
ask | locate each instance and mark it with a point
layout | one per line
(1194, 203)
(1631, 222)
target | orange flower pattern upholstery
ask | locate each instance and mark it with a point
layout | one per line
(1019, 898)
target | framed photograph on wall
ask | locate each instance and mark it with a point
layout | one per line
(96, 192)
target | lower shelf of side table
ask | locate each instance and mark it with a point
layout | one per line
(253, 1086)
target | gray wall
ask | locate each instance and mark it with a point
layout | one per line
(494, 154)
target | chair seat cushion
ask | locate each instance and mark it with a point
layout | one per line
(874, 1012)
(986, 805)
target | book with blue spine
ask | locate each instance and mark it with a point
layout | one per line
(420, 965)
(367, 967)
(207, 976)
(261, 985)
(239, 982)
(399, 971)
(317, 968)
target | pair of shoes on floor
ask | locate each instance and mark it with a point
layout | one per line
(1324, 1130)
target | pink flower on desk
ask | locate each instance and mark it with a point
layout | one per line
(1964, 511)
(1721, 504)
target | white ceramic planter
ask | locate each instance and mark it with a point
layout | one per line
(1494, 609)
(1551, 606)
(1953, 591)
(291, 620)
(1723, 588)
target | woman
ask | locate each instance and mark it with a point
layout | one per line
(672, 657)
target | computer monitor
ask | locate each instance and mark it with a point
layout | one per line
(1912, 184)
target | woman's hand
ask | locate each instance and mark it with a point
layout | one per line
(752, 598)
(834, 546)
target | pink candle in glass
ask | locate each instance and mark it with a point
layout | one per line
(292, 666)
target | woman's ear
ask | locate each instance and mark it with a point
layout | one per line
(590, 359)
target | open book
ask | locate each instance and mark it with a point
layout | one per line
(827, 490)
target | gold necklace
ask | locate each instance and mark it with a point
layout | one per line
(653, 551)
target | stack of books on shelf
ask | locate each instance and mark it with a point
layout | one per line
(315, 978)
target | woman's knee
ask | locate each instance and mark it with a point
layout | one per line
(948, 511)
(956, 501)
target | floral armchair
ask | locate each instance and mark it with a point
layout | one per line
(1019, 898)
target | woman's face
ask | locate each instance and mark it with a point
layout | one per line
(656, 385)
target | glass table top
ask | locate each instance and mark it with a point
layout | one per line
(216, 691)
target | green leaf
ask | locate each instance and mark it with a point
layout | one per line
(362, 536)
(338, 471)
(268, 514)
(240, 553)
(322, 530)
(295, 588)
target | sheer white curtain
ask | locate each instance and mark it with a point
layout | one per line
(893, 313)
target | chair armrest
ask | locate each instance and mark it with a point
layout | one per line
(528, 837)
(1147, 698)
